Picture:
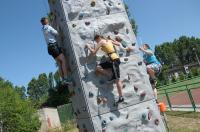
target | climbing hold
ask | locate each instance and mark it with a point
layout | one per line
(87, 23)
(125, 59)
(93, 3)
(81, 16)
(73, 25)
(135, 88)
(109, 4)
(140, 63)
(127, 31)
(129, 78)
(91, 94)
(127, 116)
(108, 11)
(124, 85)
(103, 124)
(156, 121)
(133, 44)
(124, 43)
(99, 100)
(142, 94)
(116, 32)
(111, 118)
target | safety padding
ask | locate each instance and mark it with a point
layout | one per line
(143, 117)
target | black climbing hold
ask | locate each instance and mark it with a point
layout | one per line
(142, 93)
(133, 44)
(119, 3)
(87, 23)
(109, 4)
(93, 3)
(124, 85)
(135, 88)
(140, 63)
(127, 31)
(99, 100)
(108, 11)
(73, 25)
(116, 32)
(104, 123)
(111, 118)
(91, 94)
(77, 126)
(125, 59)
(156, 121)
(81, 16)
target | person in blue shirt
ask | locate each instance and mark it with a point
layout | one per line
(54, 50)
(153, 65)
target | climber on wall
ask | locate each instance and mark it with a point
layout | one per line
(153, 65)
(113, 63)
(54, 50)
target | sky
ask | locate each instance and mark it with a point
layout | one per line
(23, 52)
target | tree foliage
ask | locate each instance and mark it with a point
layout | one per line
(16, 113)
(177, 53)
(132, 20)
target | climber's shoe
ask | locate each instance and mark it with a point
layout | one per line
(120, 100)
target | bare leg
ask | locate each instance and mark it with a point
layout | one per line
(119, 87)
(151, 73)
(155, 93)
(59, 68)
(63, 65)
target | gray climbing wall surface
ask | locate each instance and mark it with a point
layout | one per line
(93, 99)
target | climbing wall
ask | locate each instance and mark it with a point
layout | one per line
(93, 99)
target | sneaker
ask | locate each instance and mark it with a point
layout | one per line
(121, 99)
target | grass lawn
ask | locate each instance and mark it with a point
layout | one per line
(183, 121)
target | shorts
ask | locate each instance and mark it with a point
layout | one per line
(156, 67)
(114, 65)
(54, 50)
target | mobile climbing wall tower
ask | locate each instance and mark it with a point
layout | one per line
(93, 99)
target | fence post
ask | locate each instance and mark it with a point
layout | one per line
(168, 99)
(191, 98)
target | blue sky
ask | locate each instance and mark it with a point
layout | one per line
(23, 52)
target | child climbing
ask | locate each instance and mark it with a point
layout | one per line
(153, 65)
(54, 50)
(113, 63)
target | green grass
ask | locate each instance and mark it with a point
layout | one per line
(183, 121)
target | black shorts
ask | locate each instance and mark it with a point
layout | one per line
(54, 50)
(114, 65)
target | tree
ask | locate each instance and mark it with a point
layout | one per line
(38, 89)
(132, 21)
(21, 91)
(16, 114)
